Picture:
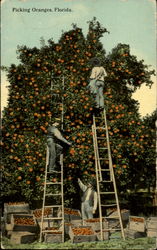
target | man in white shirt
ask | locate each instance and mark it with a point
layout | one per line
(89, 200)
(54, 148)
(96, 84)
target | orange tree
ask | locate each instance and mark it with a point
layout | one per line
(33, 105)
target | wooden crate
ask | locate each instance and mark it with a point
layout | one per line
(151, 223)
(113, 223)
(105, 235)
(38, 212)
(82, 238)
(137, 223)
(95, 223)
(74, 214)
(46, 223)
(124, 214)
(152, 233)
(20, 207)
(67, 226)
(129, 233)
(73, 223)
(53, 237)
(22, 237)
(11, 208)
(8, 229)
(22, 227)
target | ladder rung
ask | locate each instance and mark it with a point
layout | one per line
(53, 171)
(113, 229)
(53, 183)
(104, 170)
(112, 217)
(106, 181)
(97, 117)
(107, 192)
(100, 128)
(102, 148)
(109, 205)
(103, 159)
(52, 218)
(53, 206)
(101, 137)
(53, 194)
(51, 231)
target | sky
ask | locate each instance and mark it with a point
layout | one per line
(130, 22)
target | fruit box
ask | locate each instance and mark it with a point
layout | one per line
(22, 237)
(82, 234)
(74, 214)
(151, 223)
(16, 207)
(38, 213)
(137, 223)
(54, 237)
(74, 223)
(24, 222)
(129, 233)
(105, 234)
(46, 223)
(152, 233)
(95, 223)
(124, 213)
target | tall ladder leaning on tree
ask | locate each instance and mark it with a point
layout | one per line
(106, 184)
(57, 210)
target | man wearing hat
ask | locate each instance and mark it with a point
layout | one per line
(89, 200)
(55, 149)
(96, 83)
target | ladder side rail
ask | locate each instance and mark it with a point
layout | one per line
(113, 177)
(62, 118)
(43, 205)
(118, 207)
(62, 192)
(96, 149)
(108, 146)
(97, 179)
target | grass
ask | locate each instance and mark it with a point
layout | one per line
(116, 244)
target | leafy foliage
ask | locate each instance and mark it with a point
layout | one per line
(36, 88)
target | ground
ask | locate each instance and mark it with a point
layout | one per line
(116, 244)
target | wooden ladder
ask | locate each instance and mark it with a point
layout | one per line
(58, 192)
(106, 184)
(59, 184)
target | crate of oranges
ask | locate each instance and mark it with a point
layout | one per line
(137, 223)
(53, 236)
(23, 222)
(95, 223)
(82, 234)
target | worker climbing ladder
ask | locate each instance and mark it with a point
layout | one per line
(54, 178)
(106, 184)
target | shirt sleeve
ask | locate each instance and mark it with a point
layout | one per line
(95, 201)
(93, 73)
(59, 136)
(82, 186)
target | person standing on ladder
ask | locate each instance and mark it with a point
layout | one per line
(89, 200)
(96, 83)
(55, 149)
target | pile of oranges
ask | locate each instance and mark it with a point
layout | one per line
(70, 211)
(82, 231)
(38, 212)
(24, 221)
